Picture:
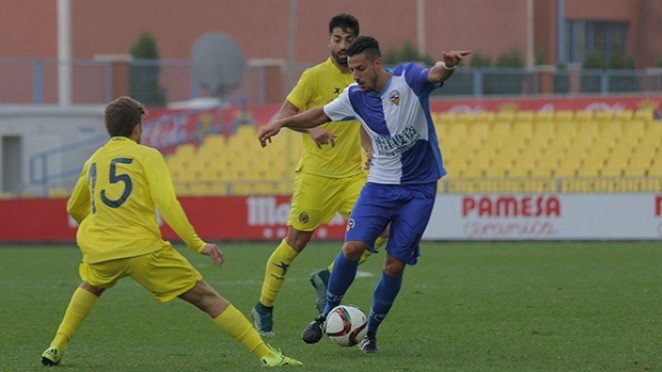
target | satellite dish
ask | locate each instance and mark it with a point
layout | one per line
(218, 63)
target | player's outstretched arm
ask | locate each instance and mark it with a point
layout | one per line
(214, 253)
(306, 119)
(443, 69)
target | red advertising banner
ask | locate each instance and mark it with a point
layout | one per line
(263, 114)
(214, 218)
(455, 217)
(609, 104)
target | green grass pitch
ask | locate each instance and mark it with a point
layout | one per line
(465, 306)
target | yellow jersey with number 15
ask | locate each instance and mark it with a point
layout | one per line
(114, 202)
(316, 87)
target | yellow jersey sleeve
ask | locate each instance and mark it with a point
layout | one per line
(78, 205)
(163, 194)
(304, 92)
(317, 86)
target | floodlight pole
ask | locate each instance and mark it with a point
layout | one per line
(64, 51)
(530, 54)
(291, 50)
(420, 26)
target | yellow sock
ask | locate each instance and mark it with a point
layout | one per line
(378, 244)
(235, 324)
(81, 303)
(274, 275)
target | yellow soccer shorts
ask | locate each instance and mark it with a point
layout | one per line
(317, 199)
(165, 273)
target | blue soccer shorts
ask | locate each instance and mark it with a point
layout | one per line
(406, 207)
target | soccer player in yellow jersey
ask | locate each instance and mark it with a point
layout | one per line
(114, 202)
(329, 176)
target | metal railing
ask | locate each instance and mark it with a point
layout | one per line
(28, 80)
(163, 133)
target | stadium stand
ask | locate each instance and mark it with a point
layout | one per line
(507, 151)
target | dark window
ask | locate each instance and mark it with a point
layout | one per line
(586, 36)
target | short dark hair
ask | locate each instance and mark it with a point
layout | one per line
(365, 44)
(346, 22)
(122, 115)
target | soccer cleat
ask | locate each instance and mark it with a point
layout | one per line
(313, 331)
(369, 345)
(263, 319)
(51, 356)
(320, 280)
(277, 359)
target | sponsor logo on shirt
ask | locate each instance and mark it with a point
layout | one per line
(397, 144)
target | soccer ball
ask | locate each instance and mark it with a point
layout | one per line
(346, 325)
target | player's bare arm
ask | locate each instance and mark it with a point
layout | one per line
(366, 143)
(443, 69)
(306, 119)
(319, 135)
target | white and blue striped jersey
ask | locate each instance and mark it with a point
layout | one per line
(398, 121)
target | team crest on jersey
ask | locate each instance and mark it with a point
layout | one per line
(303, 217)
(350, 224)
(395, 97)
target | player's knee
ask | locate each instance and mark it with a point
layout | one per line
(298, 239)
(354, 250)
(394, 267)
(92, 289)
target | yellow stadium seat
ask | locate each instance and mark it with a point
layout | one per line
(565, 129)
(591, 127)
(563, 115)
(479, 128)
(544, 115)
(500, 129)
(505, 116)
(612, 126)
(583, 116)
(645, 115)
(522, 130)
(656, 170)
(485, 116)
(448, 117)
(544, 128)
(643, 158)
(588, 171)
(465, 117)
(566, 169)
(524, 115)
(185, 149)
(623, 115)
(603, 116)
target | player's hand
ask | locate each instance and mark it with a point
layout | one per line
(454, 57)
(322, 137)
(269, 131)
(214, 253)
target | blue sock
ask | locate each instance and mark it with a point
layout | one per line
(382, 300)
(342, 276)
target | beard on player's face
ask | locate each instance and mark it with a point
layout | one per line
(340, 57)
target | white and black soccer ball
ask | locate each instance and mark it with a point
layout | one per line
(346, 325)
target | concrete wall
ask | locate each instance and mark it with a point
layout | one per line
(41, 128)
(262, 26)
